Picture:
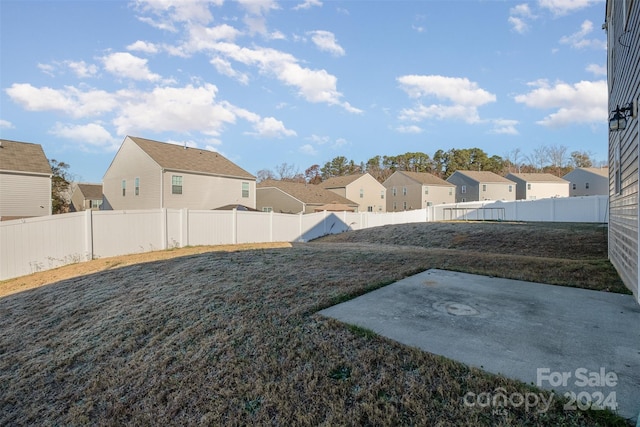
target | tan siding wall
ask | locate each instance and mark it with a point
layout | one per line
(277, 200)
(497, 191)
(22, 195)
(597, 184)
(131, 162)
(207, 192)
(624, 87)
(371, 194)
(439, 194)
(413, 198)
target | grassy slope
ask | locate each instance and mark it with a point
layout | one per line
(231, 337)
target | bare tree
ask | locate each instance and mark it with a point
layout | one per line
(265, 174)
(538, 158)
(557, 155)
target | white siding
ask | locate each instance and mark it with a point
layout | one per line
(207, 192)
(132, 162)
(371, 190)
(24, 195)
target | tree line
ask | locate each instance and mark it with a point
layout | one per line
(555, 160)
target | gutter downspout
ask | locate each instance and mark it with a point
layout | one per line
(161, 188)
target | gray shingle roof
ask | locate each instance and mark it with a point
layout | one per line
(426, 178)
(23, 157)
(91, 191)
(340, 181)
(307, 193)
(538, 177)
(176, 157)
(484, 176)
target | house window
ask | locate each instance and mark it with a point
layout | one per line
(136, 186)
(361, 193)
(511, 189)
(528, 186)
(393, 190)
(586, 185)
(484, 187)
(245, 189)
(463, 189)
(574, 185)
(124, 187)
(176, 184)
(95, 204)
(369, 208)
(404, 191)
(429, 204)
(404, 206)
(464, 200)
(450, 191)
(267, 209)
(426, 190)
(382, 194)
(395, 206)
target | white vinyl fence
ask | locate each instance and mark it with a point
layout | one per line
(37, 244)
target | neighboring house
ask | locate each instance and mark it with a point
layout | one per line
(417, 190)
(361, 188)
(473, 186)
(533, 186)
(146, 174)
(588, 181)
(86, 197)
(623, 61)
(296, 197)
(25, 180)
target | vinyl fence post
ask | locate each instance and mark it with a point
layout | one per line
(163, 228)
(184, 227)
(88, 234)
(234, 226)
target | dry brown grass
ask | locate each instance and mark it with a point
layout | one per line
(232, 337)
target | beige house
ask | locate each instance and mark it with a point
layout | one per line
(474, 186)
(86, 197)
(533, 186)
(146, 174)
(25, 180)
(296, 197)
(588, 181)
(361, 188)
(417, 190)
(623, 49)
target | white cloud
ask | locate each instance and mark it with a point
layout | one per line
(81, 69)
(462, 95)
(5, 124)
(598, 70)
(47, 69)
(409, 129)
(518, 17)
(70, 100)
(269, 127)
(563, 7)
(91, 134)
(579, 40)
(224, 67)
(142, 46)
(318, 139)
(582, 102)
(256, 11)
(206, 38)
(175, 109)
(504, 127)
(307, 4)
(317, 86)
(326, 42)
(124, 64)
(308, 149)
(170, 11)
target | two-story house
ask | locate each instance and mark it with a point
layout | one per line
(417, 190)
(299, 197)
(474, 186)
(588, 181)
(86, 197)
(361, 188)
(25, 180)
(533, 186)
(622, 23)
(147, 174)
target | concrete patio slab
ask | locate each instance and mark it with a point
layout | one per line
(563, 339)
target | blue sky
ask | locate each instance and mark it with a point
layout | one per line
(300, 82)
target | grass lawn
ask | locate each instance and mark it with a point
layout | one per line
(233, 338)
